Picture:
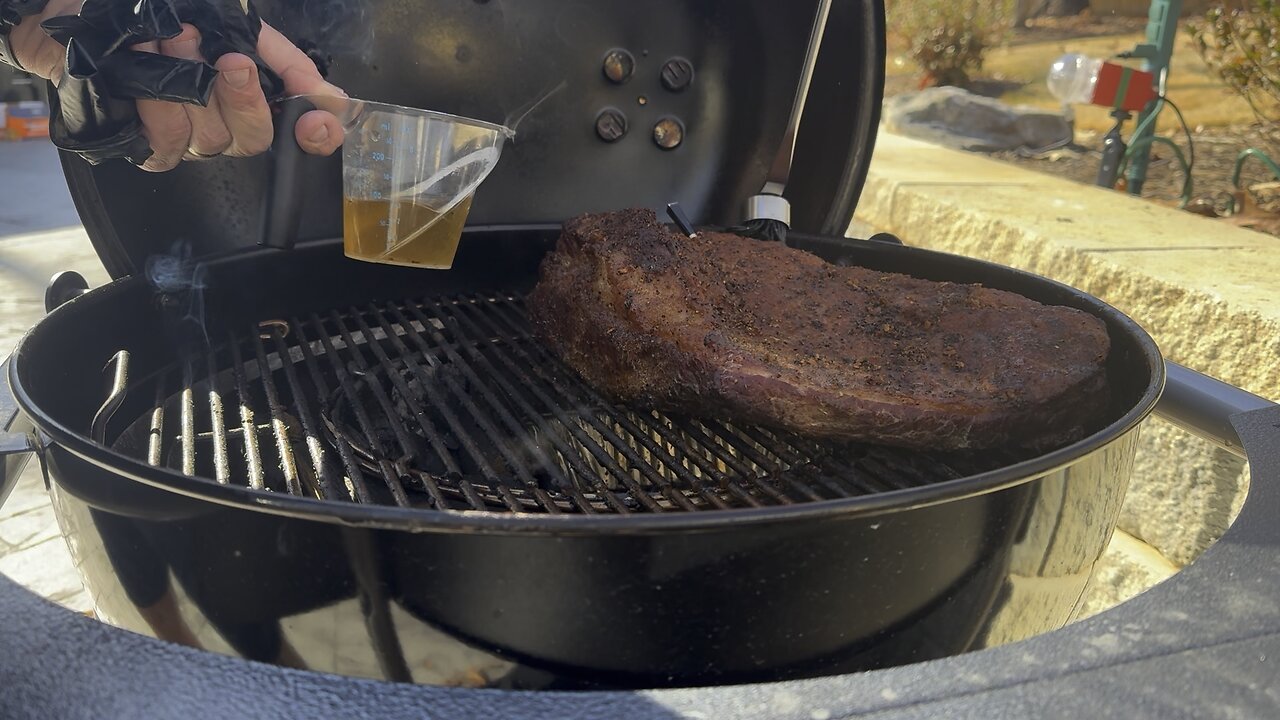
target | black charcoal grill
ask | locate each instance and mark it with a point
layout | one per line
(377, 472)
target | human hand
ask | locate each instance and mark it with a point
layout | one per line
(237, 120)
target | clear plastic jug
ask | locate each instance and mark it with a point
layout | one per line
(408, 177)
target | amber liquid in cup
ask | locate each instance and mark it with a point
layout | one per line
(364, 232)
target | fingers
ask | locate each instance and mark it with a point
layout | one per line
(292, 65)
(242, 105)
(317, 132)
(209, 134)
(165, 126)
(237, 121)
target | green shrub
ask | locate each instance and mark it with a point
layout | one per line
(1242, 45)
(950, 38)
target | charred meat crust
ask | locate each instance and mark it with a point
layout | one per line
(751, 331)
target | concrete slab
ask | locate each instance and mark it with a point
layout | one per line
(33, 193)
(26, 264)
(45, 569)
(945, 193)
(28, 529)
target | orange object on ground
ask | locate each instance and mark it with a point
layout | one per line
(26, 119)
(23, 128)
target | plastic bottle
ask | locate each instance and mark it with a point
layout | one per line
(1073, 78)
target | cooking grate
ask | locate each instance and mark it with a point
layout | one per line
(449, 403)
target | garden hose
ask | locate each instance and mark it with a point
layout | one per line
(1240, 161)
(1185, 195)
(1145, 142)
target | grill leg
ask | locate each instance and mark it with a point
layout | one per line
(375, 606)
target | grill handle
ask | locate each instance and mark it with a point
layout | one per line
(1204, 406)
(282, 207)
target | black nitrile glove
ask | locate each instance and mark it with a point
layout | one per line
(94, 110)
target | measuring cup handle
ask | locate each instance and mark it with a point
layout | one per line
(282, 207)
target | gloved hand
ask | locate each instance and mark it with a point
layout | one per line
(133, 81)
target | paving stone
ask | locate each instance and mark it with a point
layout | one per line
(45, 569)
(36, 196)
(78, 601)
(28, 494)
(29, 528)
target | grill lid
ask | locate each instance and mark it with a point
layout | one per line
(642, 103)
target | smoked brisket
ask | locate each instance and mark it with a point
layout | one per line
(755, 332)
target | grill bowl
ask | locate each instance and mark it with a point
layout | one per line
(542, 600)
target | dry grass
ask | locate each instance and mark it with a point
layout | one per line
(1022, 66)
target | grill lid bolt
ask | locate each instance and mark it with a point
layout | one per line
(668, 133)
(677, 74)
(611, 125)
(619, 65)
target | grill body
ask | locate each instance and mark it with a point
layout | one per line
(545, 600)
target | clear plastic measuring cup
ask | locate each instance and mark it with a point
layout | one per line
(408, 177)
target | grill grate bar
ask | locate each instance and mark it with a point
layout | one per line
(663, 454)
(357, 489)
(324, 477)
(278, 427)
(882, 475)
(831, 478)
(408, 447)
(389, 473)
(499, 410)
(849, 476)
(714, 434)
(437, 402)
(187, 420)
(757, 448)
(615, 416)
(697, 445)
(249, 429)
(679, 449)
(542, 425)
(218, 428)
(155, 437)
(600, 455)
(695, 432)
(890, 470)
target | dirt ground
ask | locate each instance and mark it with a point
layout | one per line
(1257, 199)
(1215, 146)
